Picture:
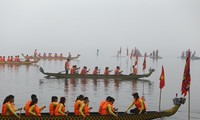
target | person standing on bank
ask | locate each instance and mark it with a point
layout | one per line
(139, 104)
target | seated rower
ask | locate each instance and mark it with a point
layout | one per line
(4, 59)
(53, 104)
(55, 55)
(44, 55)
(84, 71)
(34, 109)
(117, 71)
(9, 59)
(27, 105)
(107, 71)
(139, 104)
(74, 70)
(8, 108)
(27, 58)
(108, 108)
(0, 58)
(78, 103)
(96, 71)
(49, 55)
(61, 55)
(16, 59)
(84, 108)
(102, 103)
(12, 59)
(39, 55)
(60, 108)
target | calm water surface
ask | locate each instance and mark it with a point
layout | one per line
(22, 81)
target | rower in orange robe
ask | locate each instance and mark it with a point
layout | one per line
(27, 105)
(96, 71)
(34, 110)
(84, 71)
(60, 108)
(107, 71)
(52, 105)
(117, 71)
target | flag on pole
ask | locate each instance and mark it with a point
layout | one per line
(127, 51)
(136, 59)
(134, 54)
(120, 50)
(131, 54)
(144, 63)
(162, 78)
(186, 76)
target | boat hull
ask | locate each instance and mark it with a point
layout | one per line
(18, 63)
(100, 76)
(96, 116)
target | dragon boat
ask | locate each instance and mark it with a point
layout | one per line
(149, 115)
(53, 58)
(192, 57)
(99, 76)
(18, 63)
(155, 57)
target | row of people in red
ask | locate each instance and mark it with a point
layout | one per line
(10, 58)
(84, 71)
(81, 106)
(50, 55)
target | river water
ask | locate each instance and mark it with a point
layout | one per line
(22, 81)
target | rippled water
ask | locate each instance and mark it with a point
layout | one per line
(22, 81)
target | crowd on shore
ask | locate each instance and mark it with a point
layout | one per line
(81, 106)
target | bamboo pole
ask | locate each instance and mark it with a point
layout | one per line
(160, 100)
(188, 104)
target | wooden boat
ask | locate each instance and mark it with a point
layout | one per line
(192, 57)
(18, 63)
(100, 76)
(53, 58)
(156, 57)
(149, 115)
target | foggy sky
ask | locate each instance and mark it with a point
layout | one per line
(85, 25)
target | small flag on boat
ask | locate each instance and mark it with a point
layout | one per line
(162, 78)
(144, 63)
(131, 54)
(186, 76)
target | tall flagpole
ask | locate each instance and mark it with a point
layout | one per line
(160, 100)
(188, 104)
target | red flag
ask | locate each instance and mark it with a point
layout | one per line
(162, 78)
(186, 76)
(144, 63)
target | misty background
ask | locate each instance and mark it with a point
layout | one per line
(83, 26)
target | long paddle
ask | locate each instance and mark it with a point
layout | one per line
(61, 71)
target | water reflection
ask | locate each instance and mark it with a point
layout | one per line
(95, 85)
(116, 84)
(83, 84)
